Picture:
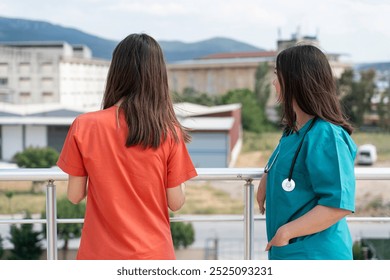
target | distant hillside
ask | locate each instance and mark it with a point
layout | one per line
(31, 30)
(379, 66)
(175, 50)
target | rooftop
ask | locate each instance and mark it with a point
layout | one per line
(189, 115)
(240, 55)
(186, 109)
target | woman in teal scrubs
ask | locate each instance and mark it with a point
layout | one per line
(308, 187)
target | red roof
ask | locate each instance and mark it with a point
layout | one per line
(240, 55)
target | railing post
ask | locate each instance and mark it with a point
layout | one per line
(249, 220)
(51, 221)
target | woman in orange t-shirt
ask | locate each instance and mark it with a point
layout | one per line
(129, 159)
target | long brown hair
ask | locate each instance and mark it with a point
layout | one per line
(138, 77)
(305, 76)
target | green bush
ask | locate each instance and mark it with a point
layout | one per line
(183, 234)
(357, 251)
(36, 157)
(26, 242)
(1, 248)
(66, 232)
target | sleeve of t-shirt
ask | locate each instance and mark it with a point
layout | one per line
(71, 160)
(331, 171)
(180, 166)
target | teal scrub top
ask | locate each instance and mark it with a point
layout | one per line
(323, 175)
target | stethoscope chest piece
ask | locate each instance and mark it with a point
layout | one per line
(288, 185)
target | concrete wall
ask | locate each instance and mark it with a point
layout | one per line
(12, 141)
(15, 138)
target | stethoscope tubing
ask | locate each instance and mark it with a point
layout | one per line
(288, 184)
(299, 149)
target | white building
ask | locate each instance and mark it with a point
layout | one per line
(51, 72)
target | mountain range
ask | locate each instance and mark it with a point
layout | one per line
(16, 30)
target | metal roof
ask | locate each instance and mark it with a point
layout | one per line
(208, 123)
(186, 109)
(57, 114)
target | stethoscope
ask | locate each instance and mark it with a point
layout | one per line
(288, 184)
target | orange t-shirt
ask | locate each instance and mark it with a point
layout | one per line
(127, 211)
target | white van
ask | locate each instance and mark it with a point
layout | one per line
(366, 155)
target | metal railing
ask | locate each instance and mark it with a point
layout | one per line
(247, 175)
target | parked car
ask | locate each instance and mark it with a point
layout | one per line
(366, 155)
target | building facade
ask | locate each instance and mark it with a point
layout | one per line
(51, 72)
(219, 73)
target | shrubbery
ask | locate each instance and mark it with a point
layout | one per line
(66, 232)
(26, 242)
(36, 157)
(1, 248)
(183, 234)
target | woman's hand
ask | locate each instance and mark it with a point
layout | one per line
(281, 238)
(317, 219)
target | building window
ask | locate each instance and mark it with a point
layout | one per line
(3, 81)
(47, 68)
(3, 68)
(47, 83)
(25, 94)
(24, 82)
(24, 68)
(47, 93)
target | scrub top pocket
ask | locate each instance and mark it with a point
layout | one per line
(293, 251)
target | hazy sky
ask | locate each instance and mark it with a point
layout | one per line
(359, 28)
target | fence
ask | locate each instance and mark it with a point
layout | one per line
(245, 175)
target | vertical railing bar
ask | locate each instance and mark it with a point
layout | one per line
(51, 221)
(249, 220)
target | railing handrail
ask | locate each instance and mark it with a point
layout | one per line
(210, 218)
(204, 174)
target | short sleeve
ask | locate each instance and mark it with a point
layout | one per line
(180, 166)
(330, 164)
(71, 159)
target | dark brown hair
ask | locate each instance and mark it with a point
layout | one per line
(138, 77)
(305, 76)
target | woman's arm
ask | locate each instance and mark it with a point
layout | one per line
(261, 193)
(316, 220)
(77, 188)
(176, 197)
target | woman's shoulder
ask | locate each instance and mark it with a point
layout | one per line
(324, 126)
(326, 132)
(94, 115)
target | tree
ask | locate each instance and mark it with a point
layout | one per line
(356, 95)
(384, 110)
(252, 114)
(192, 96)
(262, 85)
(26, 242)
(66, 232)
(183, 234)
